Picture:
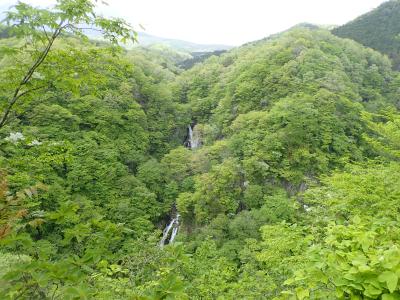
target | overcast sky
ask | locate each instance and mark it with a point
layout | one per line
(231, 22)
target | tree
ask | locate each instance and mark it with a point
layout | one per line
(40, 28)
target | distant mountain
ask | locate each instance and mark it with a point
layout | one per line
(146, 39)
(378, 29)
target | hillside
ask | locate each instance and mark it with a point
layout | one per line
(269, 171)
(378, 29)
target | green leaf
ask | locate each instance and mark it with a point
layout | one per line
(287, 292)
(372, 291)
(356, 220)
(289, 281)
(390, 278)
(394, 296)
(302, 293)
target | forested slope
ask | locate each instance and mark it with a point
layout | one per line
(280, 159)
(378, 29)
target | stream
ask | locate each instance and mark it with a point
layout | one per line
(171, 230)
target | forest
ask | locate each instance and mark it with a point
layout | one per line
(269, 171)
(378, 29)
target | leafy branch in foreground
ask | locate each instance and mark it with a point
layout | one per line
(41, 27)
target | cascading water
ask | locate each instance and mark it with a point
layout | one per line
(193, 138)
(175, 229)
(168, 235)
(171, 230)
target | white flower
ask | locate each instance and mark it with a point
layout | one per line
(15, 137)
(35, 143)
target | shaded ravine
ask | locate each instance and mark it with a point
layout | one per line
(171, 230)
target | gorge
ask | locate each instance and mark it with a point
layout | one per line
(268, 171)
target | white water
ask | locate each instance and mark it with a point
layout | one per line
(174, 225)
(175, 229)
(171, 230)
(194, 138)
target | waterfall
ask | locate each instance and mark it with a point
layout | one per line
(190, 131)
(193, 138)
(168, 235)
(171, 230)
(175, 229)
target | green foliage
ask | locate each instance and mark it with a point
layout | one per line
(40, 28)
(369, 190)
(298, 137)
(385, 135)
(292, 193)
(378, 29)
(356, 250)
(300, 61)
(217, 192)
(358, 260)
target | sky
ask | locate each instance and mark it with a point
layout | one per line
(230, 22)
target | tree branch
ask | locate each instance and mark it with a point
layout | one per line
(46, 34)
(15, 98)
(83, 28)
(17, 93)
(31, 90)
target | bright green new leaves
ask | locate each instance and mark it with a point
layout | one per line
(358, 254)
(254, 77)
(40, 28)
(280, 200)
(384, 136)
(358, 260)
(390, 278)
(216, 192)
(366, 190)
(299, 137)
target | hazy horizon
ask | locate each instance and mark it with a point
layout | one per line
(225, 22)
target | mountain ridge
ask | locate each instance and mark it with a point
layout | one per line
(378, 29)
(146, 39)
